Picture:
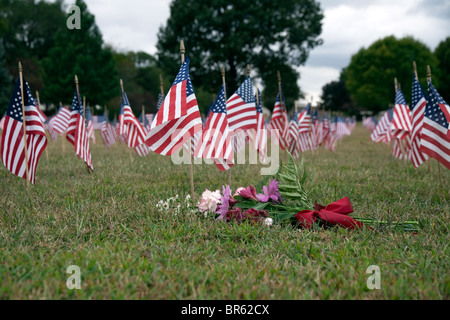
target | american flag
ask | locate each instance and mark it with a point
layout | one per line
(305, 141)
(129, 126)
(419, 104)
(216, 140)
(304, 120)
(316, 130)
(241, 108)
(90, 126)
(401, 123)
(178, 118)
(341, 128)
(330, 142)
(97, 122)
(49, 126)
(325, 127)
(142, 150)
(382, 133)
(351, 124)
(61, 121)
(148, 118)
(13, 148)
(370, 123)
(435, 140)
(260, 140)
(279, 121)
(293, 139)
(42, 115)
(397, 149)
(108, 134)
(77, 132)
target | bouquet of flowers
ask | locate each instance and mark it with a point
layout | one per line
(286, 200)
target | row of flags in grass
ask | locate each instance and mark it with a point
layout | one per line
(418, 133)
(231, 124)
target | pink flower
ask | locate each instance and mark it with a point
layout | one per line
(256, 216)
(270, 192)
(238, 191)
(249, 193)
(209, 201)
(234, 214)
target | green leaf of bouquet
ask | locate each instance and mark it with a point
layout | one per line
(283, 216)
(287, 177)
(292, 195)
(287, 187)
(261, 205)
(245, 205)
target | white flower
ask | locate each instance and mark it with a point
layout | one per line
(268, 222)
(165, 205)
(210, 200)
(188, 197)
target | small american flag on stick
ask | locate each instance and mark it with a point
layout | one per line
(77, 131)
(178, 118)
(435, 140)
(216, 142)
(18, 158)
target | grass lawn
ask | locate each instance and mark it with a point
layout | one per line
(107, 223)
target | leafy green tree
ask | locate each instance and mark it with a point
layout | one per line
(80, 52)
(140, 75)
(442, 53)
(336, 97)
(27, 28)
(5, 80)
(371, 72)
(268, 35)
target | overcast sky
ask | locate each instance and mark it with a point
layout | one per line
(348, 26)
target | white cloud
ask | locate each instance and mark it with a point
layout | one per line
(312, 80)
(132, 24)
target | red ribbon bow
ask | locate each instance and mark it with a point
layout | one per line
(335, 213)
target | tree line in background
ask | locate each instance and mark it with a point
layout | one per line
(270, 36)
(266, 35)
(367, 83)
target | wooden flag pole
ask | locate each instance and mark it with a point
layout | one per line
(182, 52)
(24, 125)
(78, 89)
(143, 116)
(161, 84)
(84, 109)
(225, 95)
(39, 107)
(438, 163)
